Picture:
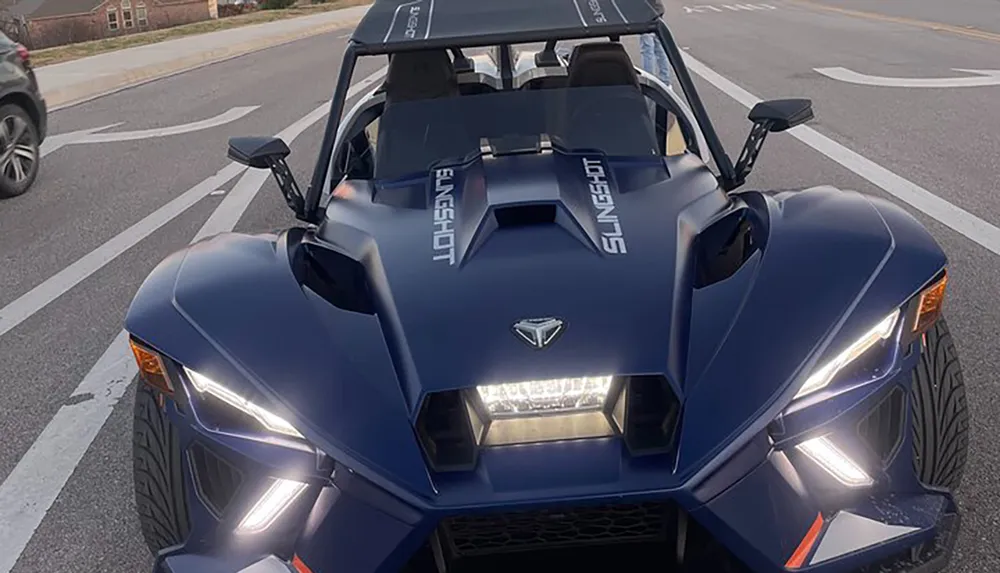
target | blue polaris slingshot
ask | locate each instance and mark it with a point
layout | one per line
(531, 322)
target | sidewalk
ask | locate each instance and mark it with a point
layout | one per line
(79, 80)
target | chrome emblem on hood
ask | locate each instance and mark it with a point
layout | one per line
(538, 333)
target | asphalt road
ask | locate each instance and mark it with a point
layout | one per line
(55, 239)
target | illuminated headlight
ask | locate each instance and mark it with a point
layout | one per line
(275, 500)
(835, 462)
(822, 377)
(207, 387)
(545, 410)
(541, 397)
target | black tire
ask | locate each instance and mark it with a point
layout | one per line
(940, 412)
(157, 469)
(17, 170)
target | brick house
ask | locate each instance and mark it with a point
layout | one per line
(58, 22)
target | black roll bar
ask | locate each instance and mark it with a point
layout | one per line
(727, 175)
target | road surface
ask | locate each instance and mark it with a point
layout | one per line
(104, 212)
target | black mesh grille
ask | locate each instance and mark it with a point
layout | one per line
(216, 481)
(652, 537)
(882, 428)
(555, 528)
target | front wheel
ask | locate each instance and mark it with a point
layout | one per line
(19, 151)
(157, 472)
(940, 412)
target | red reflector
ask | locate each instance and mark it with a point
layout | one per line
(23, 53)
(805, 547)
(300, 566)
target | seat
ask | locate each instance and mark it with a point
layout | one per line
(411, 137)
(601, 64)
(612, 116)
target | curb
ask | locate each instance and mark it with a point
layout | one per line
(74, 95)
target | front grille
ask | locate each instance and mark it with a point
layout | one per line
(653, 537)
(216, 481)
(469, 536)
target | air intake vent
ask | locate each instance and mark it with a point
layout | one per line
(216, 481)
(647, 414)
(450, 431)
(882, 428)
(553, 528)
(525, 215)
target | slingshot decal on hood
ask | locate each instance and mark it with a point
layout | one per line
(444, 215)
(612, 238)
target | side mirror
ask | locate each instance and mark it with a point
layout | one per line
(775, 115)
(269, 153)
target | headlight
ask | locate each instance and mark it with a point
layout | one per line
(545, 410)
(545, 397)
(822, 377)
(205, 387)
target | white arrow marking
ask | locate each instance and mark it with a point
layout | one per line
(54, 142)
(980, 79)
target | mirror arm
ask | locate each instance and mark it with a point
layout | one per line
(286, 183)
(751, 150)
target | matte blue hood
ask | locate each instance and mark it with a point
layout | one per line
(352, 381)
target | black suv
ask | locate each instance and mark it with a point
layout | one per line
(23, 119)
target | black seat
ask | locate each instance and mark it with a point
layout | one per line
(407, 141)
(614, 110)
(601, 64)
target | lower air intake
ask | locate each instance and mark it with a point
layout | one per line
(556, 528)
(216, 481)
(652, 537)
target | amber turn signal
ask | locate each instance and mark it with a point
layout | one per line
(930, 304)
(151, 368)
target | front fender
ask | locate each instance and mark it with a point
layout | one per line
(835, 263)
(231, 308)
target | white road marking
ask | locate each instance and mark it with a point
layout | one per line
(708, 8)
(961, 221)
(21, 308)
(34, 484)
(980, 78)
(54, 142)
(57, 141)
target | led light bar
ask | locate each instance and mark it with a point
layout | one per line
(205, 385)
(545, 397)
(822, 377)
(835, 462)
(275, 500)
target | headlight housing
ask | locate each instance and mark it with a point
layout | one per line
(454, 425)
(219, 408)
(821, 377)
(207, 390)
(917, 316)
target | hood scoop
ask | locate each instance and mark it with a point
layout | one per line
(524, 198)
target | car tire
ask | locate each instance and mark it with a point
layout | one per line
(940, 413)
(19, 158)
(157, 470)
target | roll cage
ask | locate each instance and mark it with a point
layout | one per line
(397, 26)
(709, 138)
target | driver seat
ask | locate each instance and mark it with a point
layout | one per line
(603, 113)
(411, 141)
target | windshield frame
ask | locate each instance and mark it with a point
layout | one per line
(322, 178)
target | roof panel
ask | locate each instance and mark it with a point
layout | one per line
(392, 25)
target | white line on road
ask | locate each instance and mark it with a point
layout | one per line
(916, 196)
(57, 141)
(980, 78)
(23, 307)
(34, 484)
(60, 140)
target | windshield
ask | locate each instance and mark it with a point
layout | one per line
(415, 135)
